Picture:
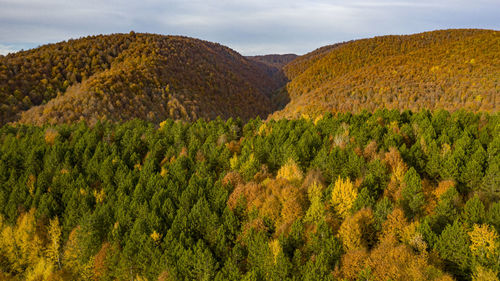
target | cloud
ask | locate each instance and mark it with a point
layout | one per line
(249, 26)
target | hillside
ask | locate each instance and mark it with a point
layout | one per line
(392, 195)
(124, 76)
(276, 61)
(273, 66)
(447, 69)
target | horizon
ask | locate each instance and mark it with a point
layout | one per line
(248, 27)
(249, 55)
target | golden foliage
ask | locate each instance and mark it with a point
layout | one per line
(343, 196)
(290, 171)
(430, 70)
(232, 178)
(370, 150)
(162, 124)
(54, 247)
(398, 169)
(71, 251)
(122, 77)
(31, 183)
(99, 196)
(275, 199)
(484, 274)
(357, 232)
(50, 136)
(163, 172)
(394, 226)
(275, 247)
(353, 261)
(484, 242)
(389, 261)
(42, 270)
(316, 209)
(21, 244)
(100, 267)
(443, 187)
(400, 263)
(155, 236)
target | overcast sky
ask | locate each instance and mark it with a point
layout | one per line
(248, 26)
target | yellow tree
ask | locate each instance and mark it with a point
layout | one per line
(343, 196)
(484, 243)
(290, 171)
(275, 247)
(54, 246)
(357, 231)
(72, 251)
(20, 244)
(316, 210)
(484, 274)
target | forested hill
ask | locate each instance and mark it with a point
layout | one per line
(153, 77)
(448, 69)
(386, 196)
(276, 61)
(124, 76)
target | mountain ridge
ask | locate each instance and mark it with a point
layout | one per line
(124, 76)
(448, 69)
(119, 77)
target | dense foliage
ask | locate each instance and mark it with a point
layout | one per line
(124, 76)
(446, 69)
(276, 61)
(384, 196)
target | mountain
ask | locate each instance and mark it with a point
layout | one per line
(120, 77)
(276, 61)
(448, 69)
(273, 65)
(124, 76)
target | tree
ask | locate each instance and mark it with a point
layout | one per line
(494, 215)
(474, 212)
(290, 171)
(454, 246)
(343, 196)
(316, 211)
(412, 195)
(484, 245)
(358, 230)
(54, 247)
(484, 274)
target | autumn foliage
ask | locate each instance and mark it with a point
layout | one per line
(444, 69)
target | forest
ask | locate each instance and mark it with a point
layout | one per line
(120, 77)
(443, 69)
(382, 195)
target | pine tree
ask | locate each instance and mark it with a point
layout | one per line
(473, 211)
(454, 246)
(412, 195)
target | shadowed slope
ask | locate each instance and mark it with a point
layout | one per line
(129, 76)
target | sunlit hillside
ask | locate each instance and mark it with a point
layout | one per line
(447, 69)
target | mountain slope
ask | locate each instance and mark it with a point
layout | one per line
(447, 69)
(276, 61)
(273, 66)
(125, 76)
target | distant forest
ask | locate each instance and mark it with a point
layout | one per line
(444, 69)
(389, 195)
(152, 77)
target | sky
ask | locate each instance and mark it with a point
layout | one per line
(250, 27)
